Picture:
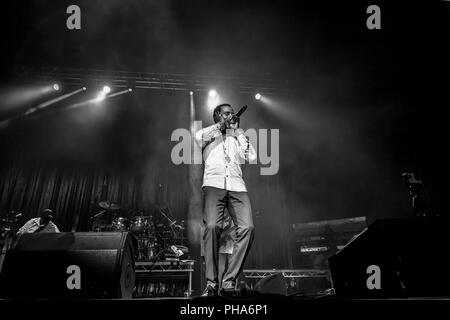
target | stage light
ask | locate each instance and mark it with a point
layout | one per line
(257, 96)
(213, 99)
(119, 93)
(18, 96)
(84, 88)
(56, 87)
(212, 94)
(191, 93)
(212, 104)
(100, 96)
(50, 102)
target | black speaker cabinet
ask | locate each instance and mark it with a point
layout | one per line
(70, 265)
(395, 258)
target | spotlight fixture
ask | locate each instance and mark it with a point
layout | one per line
(191, 93)
(129, 89)
(56, 87)
(212, 104)
(213, 99)
(102, 94)
(257, 96)
(84, 88)
(212, 94)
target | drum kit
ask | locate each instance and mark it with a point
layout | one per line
(8, 229)
(154, 238)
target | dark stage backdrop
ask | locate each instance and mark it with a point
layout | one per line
(119, 150)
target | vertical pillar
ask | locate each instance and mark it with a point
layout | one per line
(195, 207)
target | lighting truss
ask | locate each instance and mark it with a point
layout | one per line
(154, 81)
(164, 266)
(287, 273)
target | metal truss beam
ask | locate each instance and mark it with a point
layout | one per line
(287, 273)
(155, 81)
(165, 266)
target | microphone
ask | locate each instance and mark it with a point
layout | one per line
(235, 117)
(241, 111)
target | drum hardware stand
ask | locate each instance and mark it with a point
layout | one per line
(109, 208)
(95, 216)
(172, 223)
(415, 190)
(8, 229)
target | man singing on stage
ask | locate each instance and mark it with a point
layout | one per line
(224, 148)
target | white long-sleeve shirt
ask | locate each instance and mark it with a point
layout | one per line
(217, 148)
(34, 224)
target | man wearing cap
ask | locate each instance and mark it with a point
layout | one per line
(225, 147)
(41, 224)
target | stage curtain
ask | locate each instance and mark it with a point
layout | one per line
(74, 194)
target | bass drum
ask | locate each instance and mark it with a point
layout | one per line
(99, 225)
(141, 224)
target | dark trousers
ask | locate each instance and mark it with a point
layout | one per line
(239, 208)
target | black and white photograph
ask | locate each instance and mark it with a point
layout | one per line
(219, 158)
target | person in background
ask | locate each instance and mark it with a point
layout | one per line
(43, 223)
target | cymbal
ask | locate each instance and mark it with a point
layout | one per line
(109, 205)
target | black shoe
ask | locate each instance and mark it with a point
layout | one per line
(229, 292)
(228, 285)
(209, 291)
